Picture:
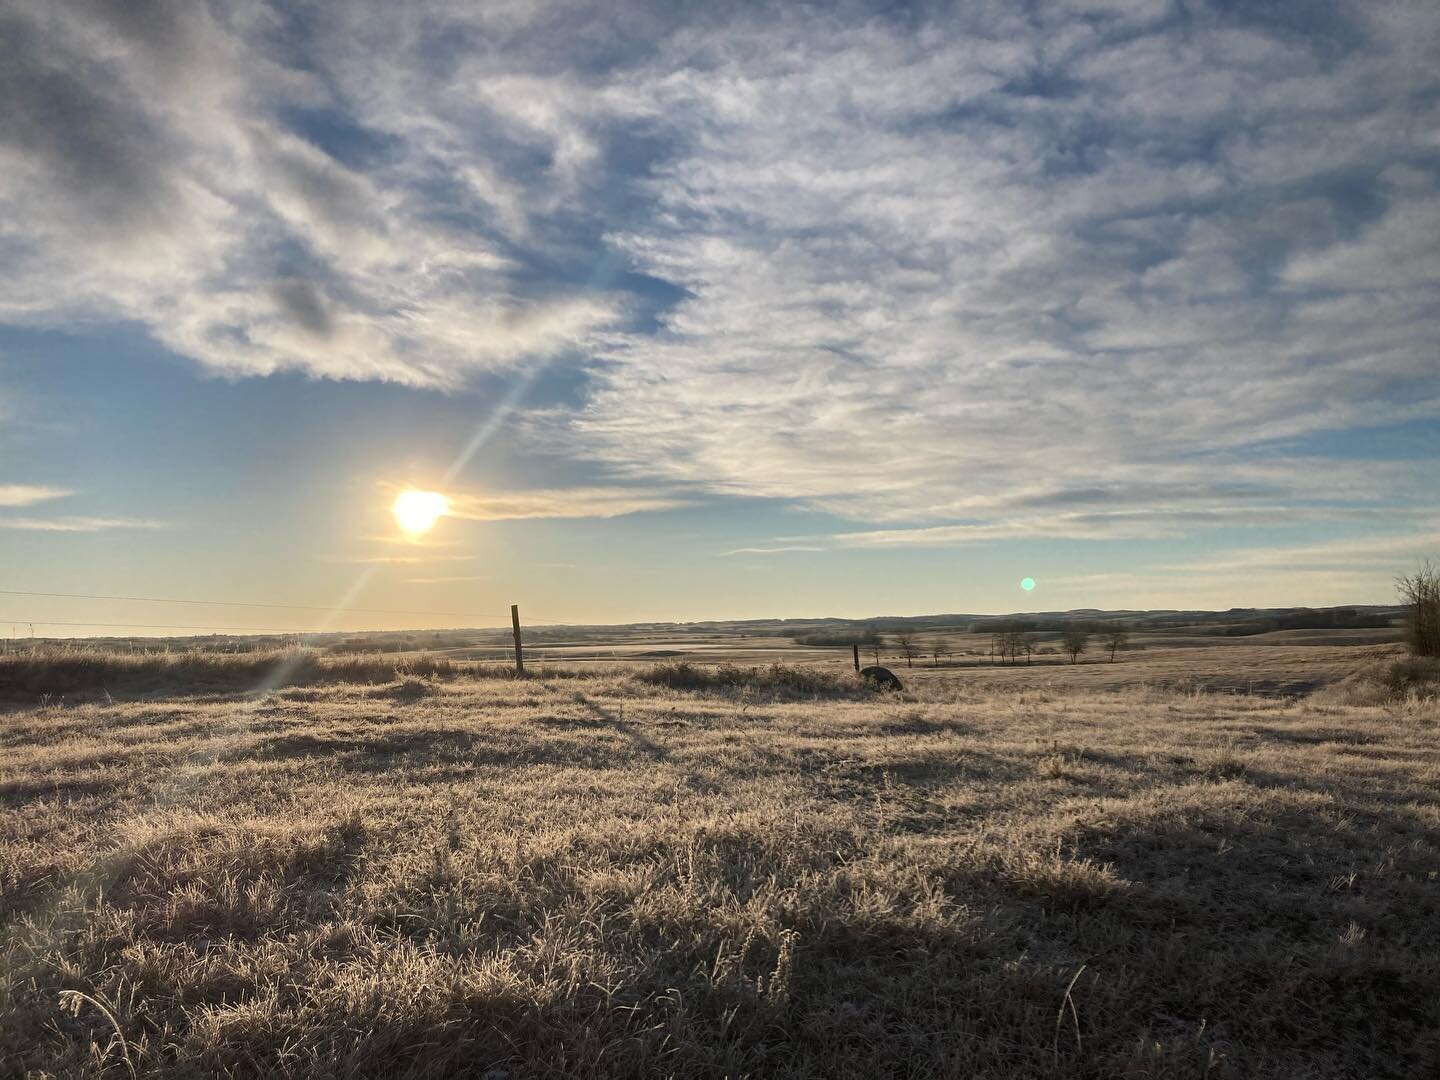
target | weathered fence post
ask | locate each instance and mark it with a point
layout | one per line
(515, 624)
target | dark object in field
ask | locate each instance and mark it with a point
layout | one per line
(882, 677)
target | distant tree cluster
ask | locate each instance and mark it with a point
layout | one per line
(829, 638)
(1075, 641)
(1306, 619)
(1010, 641)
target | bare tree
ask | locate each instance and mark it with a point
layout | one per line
(872, 641)
(1025, 643)
(1420, 592)
(1008, 642)
(1116, 638)
(908, 643)
(939, 649)
(1075, 641)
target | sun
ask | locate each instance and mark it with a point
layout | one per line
(417, 511)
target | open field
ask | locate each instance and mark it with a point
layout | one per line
(591, 874)
(1238, 665)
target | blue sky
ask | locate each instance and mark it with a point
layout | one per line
(726, 311)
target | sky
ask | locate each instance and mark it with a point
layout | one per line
(722, 310)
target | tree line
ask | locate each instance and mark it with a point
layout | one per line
(1008, 642)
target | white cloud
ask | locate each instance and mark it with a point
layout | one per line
(77, 524)
(1387, 554)
(29, 494)
(782, 549)
(914, 309)
(144, 176)
(566, 503)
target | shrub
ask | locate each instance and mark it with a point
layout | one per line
(1415, 674)
(774, 679)
(829, 638)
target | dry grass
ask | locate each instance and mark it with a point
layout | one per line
(773, 679)
(54, 671)
(611, 877)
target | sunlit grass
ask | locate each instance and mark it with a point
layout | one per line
(656, 873)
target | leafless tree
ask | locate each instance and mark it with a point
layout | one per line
(1420, 592)
(1116, 638)
(872, 641)
(908, 643)
(1008, 642)
(1075, 641)
(939, 649)
(1023, 643)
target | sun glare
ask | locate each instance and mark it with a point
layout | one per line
(417, 511)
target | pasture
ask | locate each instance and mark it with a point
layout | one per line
(1091, 870)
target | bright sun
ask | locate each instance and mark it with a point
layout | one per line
(417, 511)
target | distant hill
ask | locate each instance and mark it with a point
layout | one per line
(1234, 622)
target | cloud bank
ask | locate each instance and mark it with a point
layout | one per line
(1097, 269)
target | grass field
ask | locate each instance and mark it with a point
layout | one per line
(1060, 871)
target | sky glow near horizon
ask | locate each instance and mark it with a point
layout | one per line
(753, 311)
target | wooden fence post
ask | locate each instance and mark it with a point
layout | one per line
(515, 624)
(855, 648)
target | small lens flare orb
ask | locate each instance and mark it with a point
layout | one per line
(417, 511)
(1027, 583)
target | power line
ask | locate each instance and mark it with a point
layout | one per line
(251, 604)
(244, 629)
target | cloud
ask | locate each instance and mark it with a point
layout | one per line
(1358, 569)
(995, 271)
(172, 170)
(1385, 554)
(77, 524)
(923, 303)
(780, 550)
(29, 494)
(566, 503)
(1155, 522)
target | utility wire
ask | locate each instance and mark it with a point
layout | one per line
(254, 604)
(244, 629)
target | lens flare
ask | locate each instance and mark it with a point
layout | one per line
(417, 511)
(1027, 583)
